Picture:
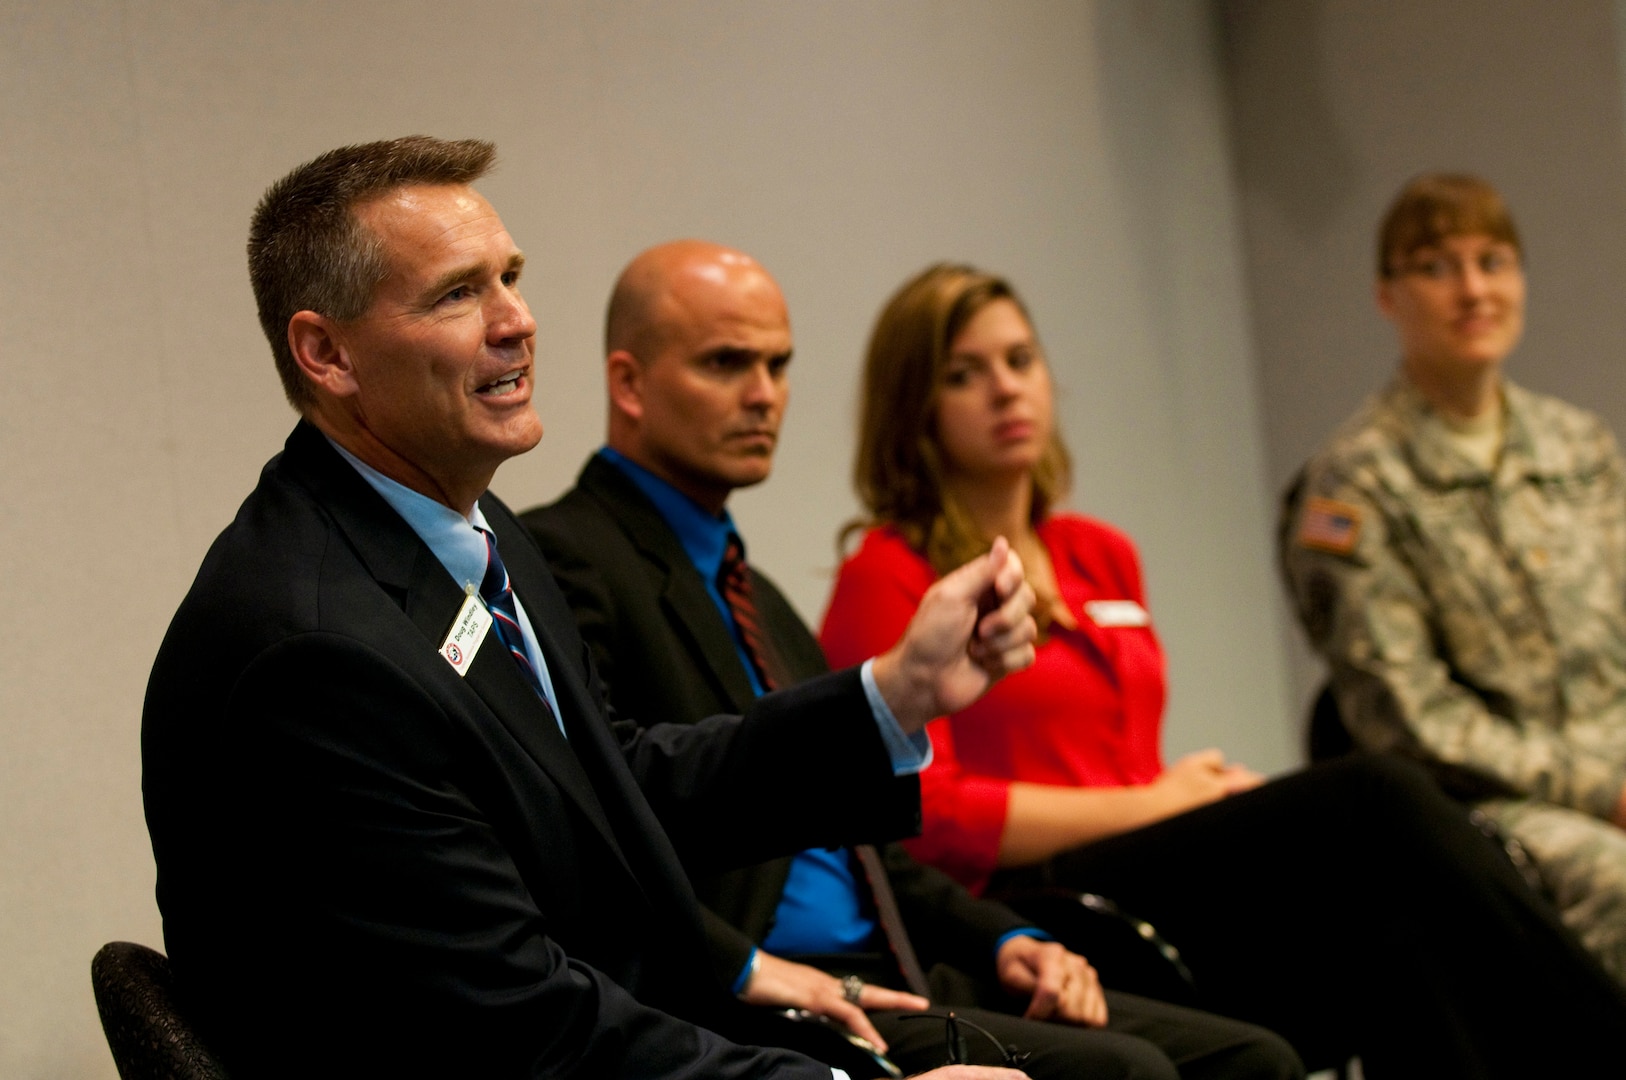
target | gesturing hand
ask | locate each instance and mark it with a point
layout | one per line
(973, 626)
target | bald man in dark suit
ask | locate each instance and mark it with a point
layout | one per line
(698, 347)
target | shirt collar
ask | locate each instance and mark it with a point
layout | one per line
(703, 536)
(451, 536)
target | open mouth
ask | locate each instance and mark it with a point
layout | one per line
(507, 384)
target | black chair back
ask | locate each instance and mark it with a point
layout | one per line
(149, 1037)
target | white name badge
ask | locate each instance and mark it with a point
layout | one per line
(468, 631)
(1109, 613)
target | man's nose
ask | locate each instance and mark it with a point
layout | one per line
(762, 386)
(510, 318)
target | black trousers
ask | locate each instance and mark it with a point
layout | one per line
(1143, 1040)
(1354, 909)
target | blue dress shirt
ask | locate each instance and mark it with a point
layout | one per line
(819, 911)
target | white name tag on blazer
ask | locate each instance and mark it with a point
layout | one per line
(468, 630)
(1109, 613)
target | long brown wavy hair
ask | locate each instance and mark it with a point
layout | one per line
(898, 472)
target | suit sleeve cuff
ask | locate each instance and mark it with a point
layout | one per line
(910, 754)
(1021, 931)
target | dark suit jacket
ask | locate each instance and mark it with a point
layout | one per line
(368, 865)
(664, 650)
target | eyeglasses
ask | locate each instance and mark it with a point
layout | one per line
(1010, 1055)
(1494, 262)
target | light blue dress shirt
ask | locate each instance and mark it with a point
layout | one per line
(461, 549)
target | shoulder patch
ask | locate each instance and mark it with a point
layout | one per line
(1329, 525)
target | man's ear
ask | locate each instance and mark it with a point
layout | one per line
(321, 354)
(624, 379)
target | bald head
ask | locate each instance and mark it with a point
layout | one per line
(697, 341)
(658, 282)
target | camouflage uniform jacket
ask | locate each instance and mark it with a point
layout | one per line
(1471, 618)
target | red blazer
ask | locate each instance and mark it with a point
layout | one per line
(1088, 713)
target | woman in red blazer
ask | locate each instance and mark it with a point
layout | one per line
(1351, 907)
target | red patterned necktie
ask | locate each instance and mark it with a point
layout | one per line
(734, 580)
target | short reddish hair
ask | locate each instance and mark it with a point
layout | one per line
(1434, 206)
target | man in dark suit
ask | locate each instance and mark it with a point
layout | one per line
(397, 831)
(698, 347)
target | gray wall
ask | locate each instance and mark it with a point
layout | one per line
(1335, 103)
(1085, 149)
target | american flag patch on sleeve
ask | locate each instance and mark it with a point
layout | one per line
(1329, 525)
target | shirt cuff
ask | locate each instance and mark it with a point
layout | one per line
(909, 753)
(837, 1074)
(752, 962)
(1021, 931)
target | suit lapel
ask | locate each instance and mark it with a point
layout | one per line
(640, 838)
(405, 567)
(688, 605)
(750, 896)
(432, 602)
(549, 615)
(685, 597)
(694, 613)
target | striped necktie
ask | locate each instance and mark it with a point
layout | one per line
(498, 594)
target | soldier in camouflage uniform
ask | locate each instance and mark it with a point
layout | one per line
(1457, 553)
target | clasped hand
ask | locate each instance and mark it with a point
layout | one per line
(1202, 777)
(1060, 985)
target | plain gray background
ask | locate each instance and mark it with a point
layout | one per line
(1185, 191)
